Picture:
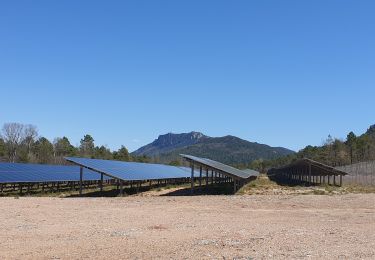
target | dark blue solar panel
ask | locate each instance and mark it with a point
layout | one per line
(22, 172)
(221, 167)
(132, 170)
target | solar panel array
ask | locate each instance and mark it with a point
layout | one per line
(22, 172)
(132, 170)
(221, 167)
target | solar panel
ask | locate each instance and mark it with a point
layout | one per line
(23, 172)
(133, 170)
(252, 172)
(220, 166)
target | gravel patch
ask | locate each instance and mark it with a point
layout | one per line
(199, 227)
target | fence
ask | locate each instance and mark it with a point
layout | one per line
(359, 173)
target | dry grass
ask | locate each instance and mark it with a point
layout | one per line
(352, 188)
(264, 186)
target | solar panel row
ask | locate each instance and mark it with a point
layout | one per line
(132, 170)
(22, 172)
(221, 167)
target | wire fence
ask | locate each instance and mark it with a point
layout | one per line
(359, 173)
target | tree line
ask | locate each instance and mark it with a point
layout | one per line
(334, 152)
(22, 143)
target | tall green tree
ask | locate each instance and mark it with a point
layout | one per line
(63, 147)
(122, 154)
(87, 146)
(2, 148)
(363, 146)
(351, 141)
(43, 150)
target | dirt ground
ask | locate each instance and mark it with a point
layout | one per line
(199, 227)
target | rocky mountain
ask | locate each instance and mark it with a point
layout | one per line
(169, 142)
(227, 149)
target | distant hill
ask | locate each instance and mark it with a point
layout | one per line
(169, 142)
(227, 149)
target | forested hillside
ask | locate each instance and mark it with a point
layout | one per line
(334, 152)
(228, 149)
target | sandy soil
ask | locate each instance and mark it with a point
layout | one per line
(201, 227)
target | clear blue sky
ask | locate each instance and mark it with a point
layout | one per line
(284, 73)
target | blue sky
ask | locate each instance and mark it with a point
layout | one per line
(284, 73)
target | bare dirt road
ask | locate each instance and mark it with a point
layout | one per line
(201, 227)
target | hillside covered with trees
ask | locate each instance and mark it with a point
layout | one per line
(228, 149)
(334, 152)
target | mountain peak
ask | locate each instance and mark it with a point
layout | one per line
(179, 139)
(371, 130)
(170, 141)
(193, 134)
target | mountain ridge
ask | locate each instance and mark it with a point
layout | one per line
(167, 142)
(227, 149)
